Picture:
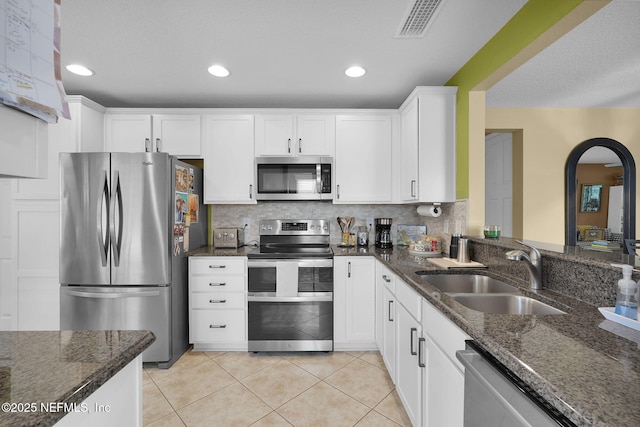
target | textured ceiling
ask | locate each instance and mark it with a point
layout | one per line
(597, 64)
(281, 53)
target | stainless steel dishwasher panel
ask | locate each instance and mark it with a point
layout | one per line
(492, 400)
(120, 308)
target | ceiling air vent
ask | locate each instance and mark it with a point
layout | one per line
(417, 17)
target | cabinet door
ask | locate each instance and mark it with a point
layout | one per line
(363, 159)
(360, 300)
(228, 159)
(409, 153)
(316, 135)
(444, 390)
(179, 135)
(274, 135)
(409, 374)
(128, 133)
(437, 158)
(354, 303)
(389, 332)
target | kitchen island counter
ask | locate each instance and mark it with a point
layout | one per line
(44, 375)
(587, 367)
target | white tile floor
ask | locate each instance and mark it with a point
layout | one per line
(267, 389)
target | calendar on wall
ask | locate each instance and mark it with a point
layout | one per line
(30, 77)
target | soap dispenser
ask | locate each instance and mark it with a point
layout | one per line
(627, 300)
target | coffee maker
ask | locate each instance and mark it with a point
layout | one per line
(383, 233)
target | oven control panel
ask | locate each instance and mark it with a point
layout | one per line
(294, 227)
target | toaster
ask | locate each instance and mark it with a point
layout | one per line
(228, 237)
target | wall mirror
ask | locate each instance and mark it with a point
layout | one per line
(585, 202)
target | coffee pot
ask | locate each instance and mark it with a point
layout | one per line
(383, 233)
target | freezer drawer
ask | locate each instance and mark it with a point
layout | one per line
(124, 308)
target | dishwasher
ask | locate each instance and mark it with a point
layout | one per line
(495, 396)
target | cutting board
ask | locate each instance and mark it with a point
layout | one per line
(447, 263)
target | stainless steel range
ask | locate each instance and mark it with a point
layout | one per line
(290, 294)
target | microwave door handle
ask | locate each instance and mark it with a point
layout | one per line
(319, 179)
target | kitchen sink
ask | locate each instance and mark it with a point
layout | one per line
(505, 304)
(467, 283)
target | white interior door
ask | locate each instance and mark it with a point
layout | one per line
(498, 181)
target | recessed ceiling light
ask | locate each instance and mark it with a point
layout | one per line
(80, 70)
(218, 71)
(355, 71)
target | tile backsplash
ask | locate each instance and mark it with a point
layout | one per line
(232, 216)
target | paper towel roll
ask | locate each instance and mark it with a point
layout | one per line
(430, 210)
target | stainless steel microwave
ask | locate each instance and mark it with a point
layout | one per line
(294, 178)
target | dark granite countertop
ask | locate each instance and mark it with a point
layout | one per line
(585, 366)
(59, 366)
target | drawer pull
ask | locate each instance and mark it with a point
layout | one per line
(217, 266)
(217, 301)
(217, 284)
(217, 326)
(385, 278)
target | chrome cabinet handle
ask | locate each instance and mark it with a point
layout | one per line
(217, 326)
(217, 266)
(413, 188)
(390, 311)
(421, 362)
(217, 284)
(147, 142)
(385, 278)
(349, 269)
(413, 353)
(338, 191)
(289, 146)
(251, 191)
(158, 145)
(217, 301)
(300, 145)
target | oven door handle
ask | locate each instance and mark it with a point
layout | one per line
(307, 262)
(325, 297)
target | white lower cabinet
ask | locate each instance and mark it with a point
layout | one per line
(443, 403)
(385, 318)
(354, 297)
(217, 303)
(409, 352)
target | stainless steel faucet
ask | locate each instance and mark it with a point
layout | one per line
(533, 261)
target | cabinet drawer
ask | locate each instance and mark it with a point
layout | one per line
(217, 325)
(444, 333)
(216, 300)
(218, 265)
(409, 298)
(387, 277)
(220, 283)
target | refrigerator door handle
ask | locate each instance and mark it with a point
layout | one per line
(116, 238)
(103, 223)
(105, 295)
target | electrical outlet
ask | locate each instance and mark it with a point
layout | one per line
(446, 226)
(246, 223)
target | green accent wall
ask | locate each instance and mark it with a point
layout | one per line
(535, 17)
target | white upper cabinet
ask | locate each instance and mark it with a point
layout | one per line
(408, 156)
(428, 146)
(228, 159)
(294, 135)
(363, 159)
(176, 134)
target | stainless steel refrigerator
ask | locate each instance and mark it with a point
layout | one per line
(126, 220)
